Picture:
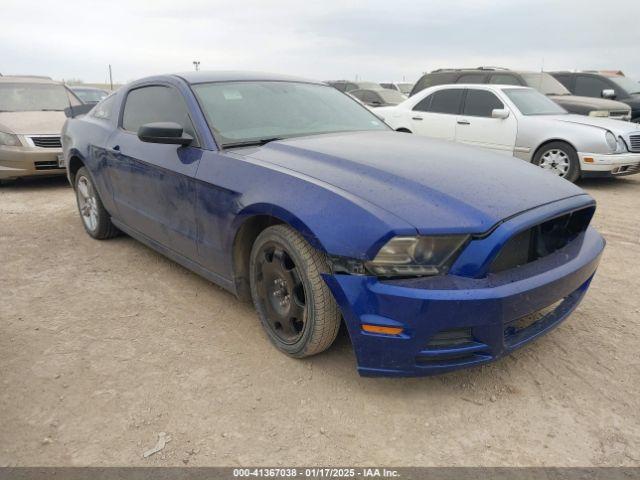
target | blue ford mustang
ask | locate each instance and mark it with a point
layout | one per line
(290, 193)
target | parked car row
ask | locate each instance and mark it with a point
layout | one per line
(521, 122)
(287, 192)
(31, 119)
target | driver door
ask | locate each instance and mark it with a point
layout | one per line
(154, 184)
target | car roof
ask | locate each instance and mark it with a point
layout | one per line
(27, 79)
(238, 76)
(479, 86)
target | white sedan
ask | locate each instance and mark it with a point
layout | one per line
(521, 122)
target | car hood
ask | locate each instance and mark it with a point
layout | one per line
(619, 127)
(436, 186)
(594, 103)
(32, 123)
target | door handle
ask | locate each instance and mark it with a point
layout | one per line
(464, 122)
(114, 149)
(416, 118)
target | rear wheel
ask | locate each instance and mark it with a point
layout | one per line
(294, 304)
(559, 158)
(95, 218)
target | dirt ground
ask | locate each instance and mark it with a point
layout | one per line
(105, 344)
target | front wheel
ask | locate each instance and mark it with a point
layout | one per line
(294, 304)
(559, 158)
(95, 218)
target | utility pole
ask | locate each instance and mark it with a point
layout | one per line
(110, 78)
(196, 65)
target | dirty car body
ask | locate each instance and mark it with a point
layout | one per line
(525, 252)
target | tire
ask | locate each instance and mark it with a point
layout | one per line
(95, 219)
(559, 158)
(295, 306)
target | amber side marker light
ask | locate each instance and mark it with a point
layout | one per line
(380, 329)
(588, 160)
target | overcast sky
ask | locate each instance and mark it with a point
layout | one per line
(330, 39)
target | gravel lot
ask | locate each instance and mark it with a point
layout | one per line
(105, 344)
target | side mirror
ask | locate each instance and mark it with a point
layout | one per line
(164, 132)
(608, 93)
(501, 113)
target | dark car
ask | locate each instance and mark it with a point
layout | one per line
(89, 94)
(378, 97)
(541, 81)
(287, 192)
(603, 85)
(347, 86)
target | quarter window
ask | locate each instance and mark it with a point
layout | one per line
(445, 101)
(104, 109)
(155, 104)
(590, 86)
(480, 103)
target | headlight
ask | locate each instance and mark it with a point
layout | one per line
(9, 139)
(622, 146)
(416, 256)
(611, 141)
(599, 113)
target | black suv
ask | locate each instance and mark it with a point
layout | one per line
(541, 81)
(602, 85)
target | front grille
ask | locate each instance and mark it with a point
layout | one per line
(47, 165)
(542, 240)
(47, 142)
(634, 143)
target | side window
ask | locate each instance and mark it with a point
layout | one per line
(564, 80)
(432, 79)
(504, 79)
(446, 101)
(155, 104)
(104, 109)
(423, 105)
(590, 86)
(480, 103)
(471, 78)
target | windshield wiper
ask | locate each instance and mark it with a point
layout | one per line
(251, 143)
(50, 110)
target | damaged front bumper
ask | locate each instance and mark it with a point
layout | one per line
(454, 321)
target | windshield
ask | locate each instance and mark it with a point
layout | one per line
(22, 97)
(391, 96)
(369, 86)
(90, 95)
(531, 102)
(628, 85)
(405, 87)
(545, 83)
(253, 111)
